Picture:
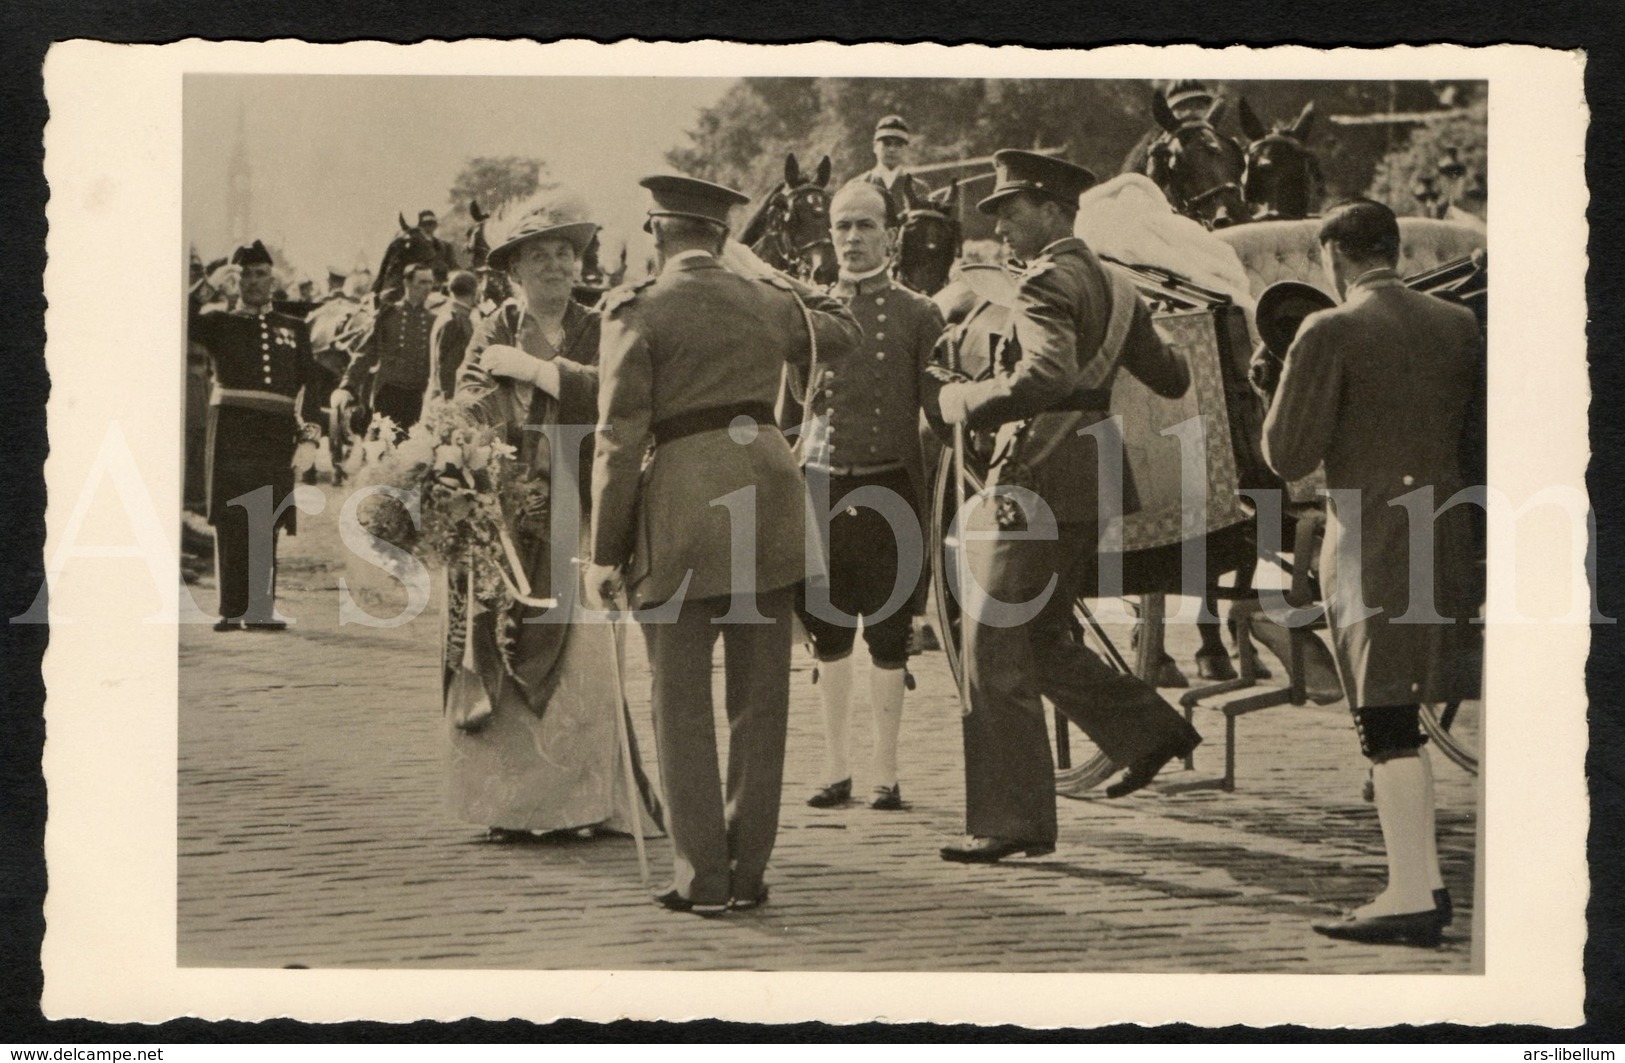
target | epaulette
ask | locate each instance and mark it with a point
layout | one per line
(616, 298)
(1036, 270)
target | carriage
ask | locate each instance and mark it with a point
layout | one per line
(1203, 448)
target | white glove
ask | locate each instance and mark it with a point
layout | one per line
(604, 584)
(340, 399)
(503, 360)
(952, 400)
(224, 275)
(738, 258)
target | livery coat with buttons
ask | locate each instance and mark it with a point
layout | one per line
(398, 346)
(866, 411)
(1378, 390)
(699, 337)
(259, 363)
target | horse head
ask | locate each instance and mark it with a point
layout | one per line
(411, 247)
(928, 239)
(1282, 176)
(1197, 167)
(790, 230)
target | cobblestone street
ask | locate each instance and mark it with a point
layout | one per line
(313, 831)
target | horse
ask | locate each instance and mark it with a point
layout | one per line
(789, 229)
(413, 247)
(929, 239)
(1282, 178)
(477, 246)
(1198, 168)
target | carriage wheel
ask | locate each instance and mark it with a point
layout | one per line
(1089, 767)
(1454, 729)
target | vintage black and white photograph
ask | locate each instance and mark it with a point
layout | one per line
(886, 522)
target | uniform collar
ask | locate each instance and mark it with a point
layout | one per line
(868, 284)
(1065, 245)
(696, 258)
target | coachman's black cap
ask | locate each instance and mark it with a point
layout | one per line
(892, 127)
(690, 197)
(1028, 171)
(427, 216)
(253, 254)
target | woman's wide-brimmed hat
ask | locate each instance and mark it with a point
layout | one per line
(559, 215)
(1281, 310)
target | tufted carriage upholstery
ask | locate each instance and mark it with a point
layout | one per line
(1273, 251)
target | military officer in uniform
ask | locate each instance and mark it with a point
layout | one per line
(863, 439)
(713, 530)
(891, 156)
(1072, 326)
(397, 357)
(1378, 390)
(261, 359)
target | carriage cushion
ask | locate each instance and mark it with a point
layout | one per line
(1273, 251)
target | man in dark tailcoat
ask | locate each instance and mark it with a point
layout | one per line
(1378, 391)
(1072, 326)
(261, 359)
(710, 537)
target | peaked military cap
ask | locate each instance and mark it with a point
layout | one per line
(427, 215)
(1189, 90)
(892, 127)
(1281, 310)
(253, 254)
(1027, 171)
(690, 197)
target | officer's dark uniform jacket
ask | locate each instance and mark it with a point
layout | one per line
(398, 346)
(260, 362)
(1061, 318)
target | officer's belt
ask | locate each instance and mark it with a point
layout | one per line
(709, 419)
(858, 471)
(1086, 401)
(269, 401)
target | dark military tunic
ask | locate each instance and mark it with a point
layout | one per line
(399, 348)
(260, 362)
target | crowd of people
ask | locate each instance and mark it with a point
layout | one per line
(698, 503)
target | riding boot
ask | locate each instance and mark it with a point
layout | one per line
(835, 690)
(1401, 792)
(886, 705)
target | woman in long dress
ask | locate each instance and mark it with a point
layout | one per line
(540, 754)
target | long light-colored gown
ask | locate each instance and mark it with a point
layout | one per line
(547, 757)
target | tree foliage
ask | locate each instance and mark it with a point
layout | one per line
(1399, 175)
(491, 180)
(742, 140)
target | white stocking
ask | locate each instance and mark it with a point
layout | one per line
(1435, 877)
(835, 687)
(886, 704)
(1402, 806)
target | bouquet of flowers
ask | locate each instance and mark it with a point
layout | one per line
(462, 478)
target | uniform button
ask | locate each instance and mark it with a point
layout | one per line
(1407, 480)
(880, 355)
(880, 335)
(880, 300)
(880, 317)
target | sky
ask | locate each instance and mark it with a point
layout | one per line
(335, 158)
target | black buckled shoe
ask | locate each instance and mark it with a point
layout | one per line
(976, 850)
(887, 798)
(1406, 928)
(228, 625)
(1140, 774)
(749, 904)
(673, 901)
(834, 795)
